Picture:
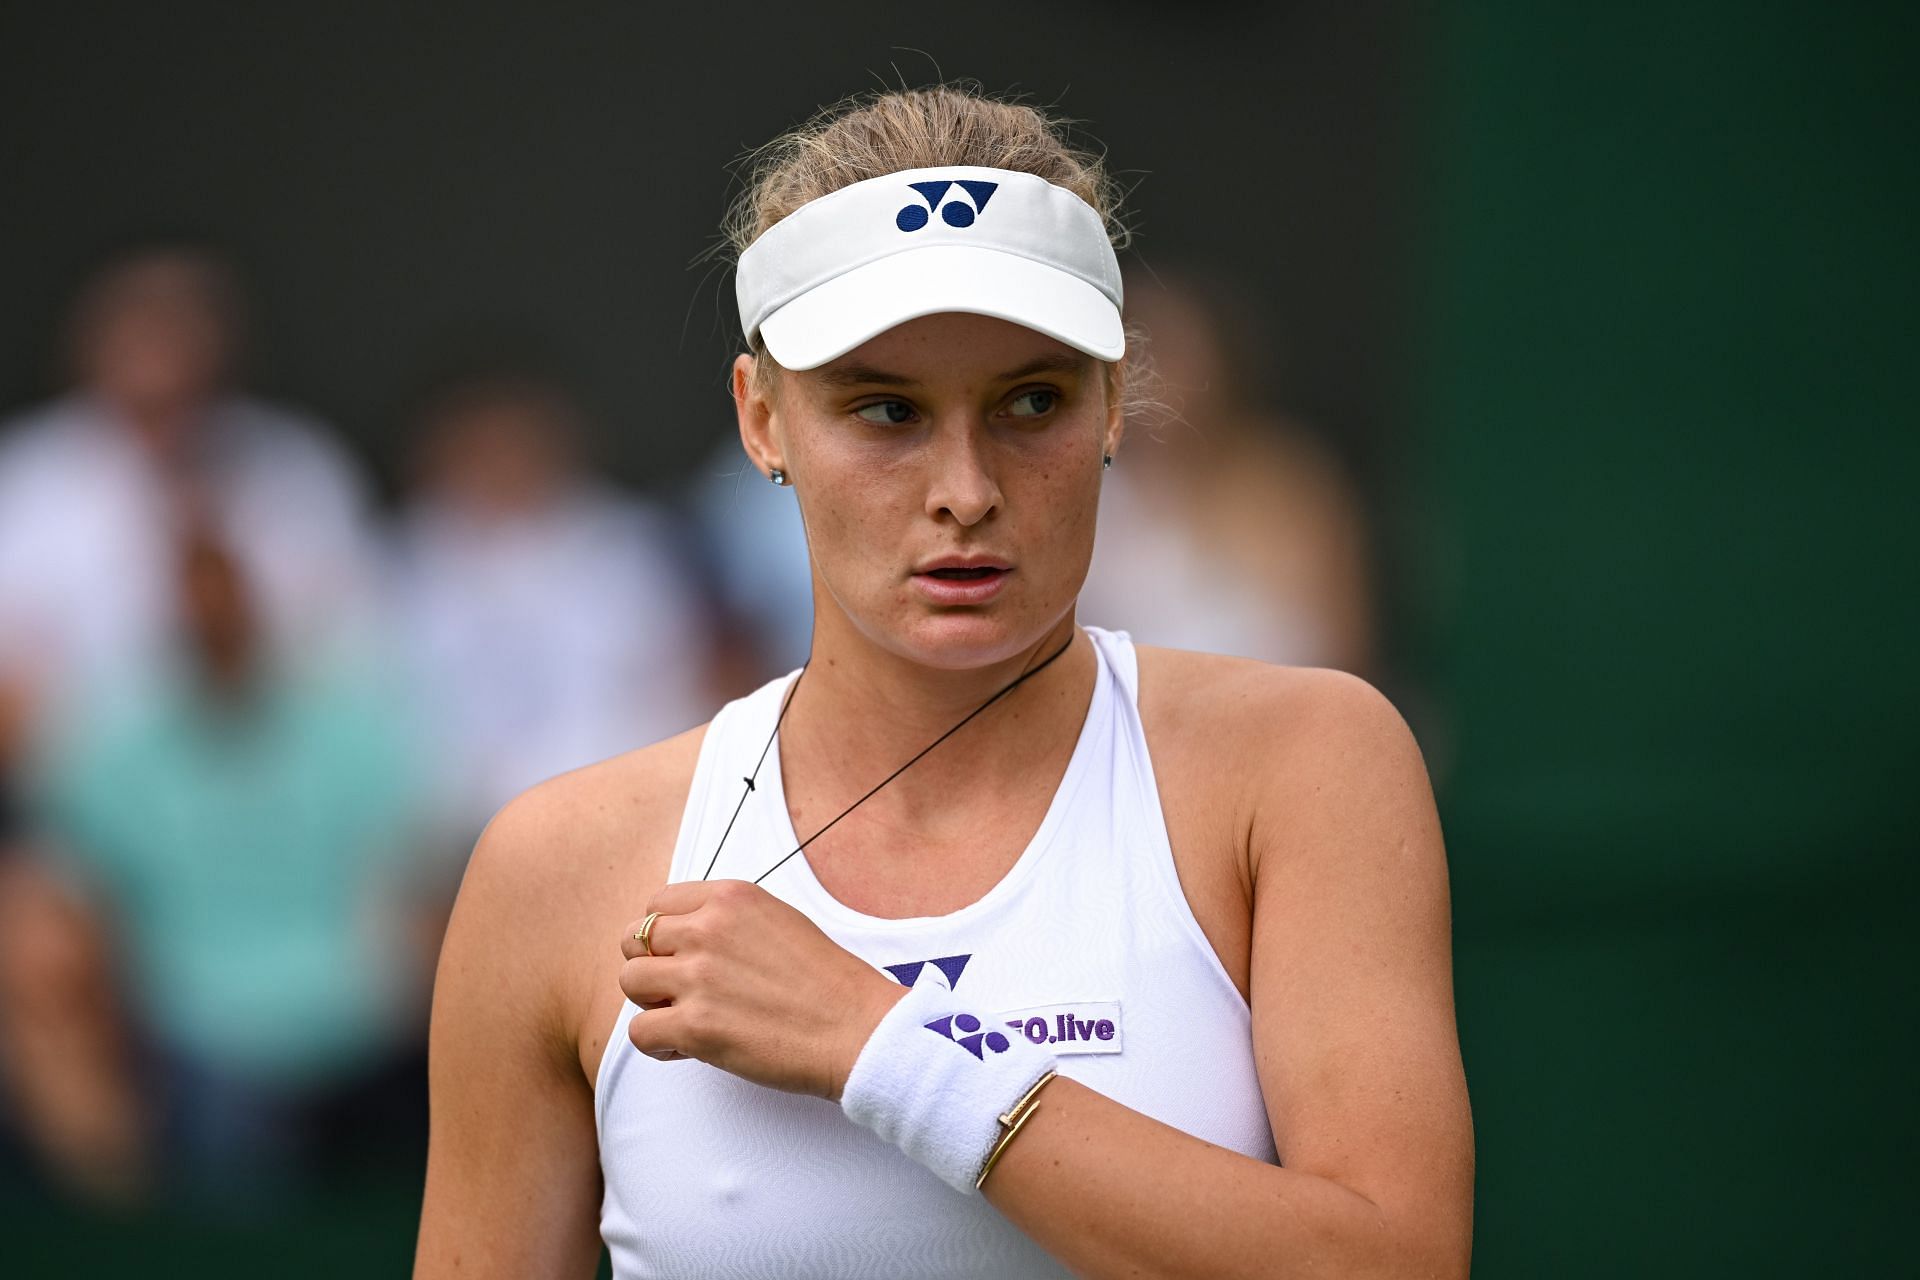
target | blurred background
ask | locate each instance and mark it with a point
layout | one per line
(365, 457)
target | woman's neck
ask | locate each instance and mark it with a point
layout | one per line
(860, 712)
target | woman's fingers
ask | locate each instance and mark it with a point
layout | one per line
(679, 911)
(653, 980)
(656, 1033)
(674, 1031)
(685, 896)
(660, 936)
(739, 979)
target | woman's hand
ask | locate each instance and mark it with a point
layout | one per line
(743, 981)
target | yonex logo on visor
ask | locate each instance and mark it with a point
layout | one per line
(852, 264)
(956, 213)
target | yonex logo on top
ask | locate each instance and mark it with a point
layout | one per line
(955, 213)
(949, 967)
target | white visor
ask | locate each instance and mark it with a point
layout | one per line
(995, 242)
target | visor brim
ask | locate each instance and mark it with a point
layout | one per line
(833, 318)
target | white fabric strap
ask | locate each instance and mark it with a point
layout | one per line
(934, 1078)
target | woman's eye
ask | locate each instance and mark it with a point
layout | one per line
(1036, 402)
(886, 413)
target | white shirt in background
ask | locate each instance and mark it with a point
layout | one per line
(546, 641)
(89, 541)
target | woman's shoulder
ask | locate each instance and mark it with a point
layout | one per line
(563, 864)
(1252, 760)
(1264, 733)
(601, 824)
(1209, 694)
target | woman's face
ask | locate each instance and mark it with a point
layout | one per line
(948, 472)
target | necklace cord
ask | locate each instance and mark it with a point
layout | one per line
(749, 779)
(1019, 680)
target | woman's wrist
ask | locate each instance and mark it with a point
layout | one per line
(864, 1019)
(934, 1079)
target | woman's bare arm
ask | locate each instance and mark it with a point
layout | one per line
(513, 1172)
(1353, 1035)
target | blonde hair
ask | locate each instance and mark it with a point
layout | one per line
(874, 134)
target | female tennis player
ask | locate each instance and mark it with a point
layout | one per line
(986, 944)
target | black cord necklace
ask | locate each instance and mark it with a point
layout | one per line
(788, 702)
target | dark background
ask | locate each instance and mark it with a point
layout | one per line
(405, 193)
(1608, 308)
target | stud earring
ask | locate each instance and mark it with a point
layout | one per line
(1106, 462)
(777, 475)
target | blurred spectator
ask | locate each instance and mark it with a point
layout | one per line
(218, 988)
(97, 489)
(1230, 529)
(549, 615)
(96, 492)
(95, 486)
(755, 555)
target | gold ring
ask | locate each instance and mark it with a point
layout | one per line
(646, 928)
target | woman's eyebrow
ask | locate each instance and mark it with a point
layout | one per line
(862, 375)
(1063, 362)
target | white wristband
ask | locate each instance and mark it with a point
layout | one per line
(934, 1078)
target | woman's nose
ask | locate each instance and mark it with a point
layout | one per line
(961, 483)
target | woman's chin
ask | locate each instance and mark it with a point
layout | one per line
(965, 639)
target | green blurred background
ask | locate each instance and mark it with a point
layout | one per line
(1668, 430)
(1611, 306)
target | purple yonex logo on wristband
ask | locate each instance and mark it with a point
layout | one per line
(964, 1030)
(1073, 1028)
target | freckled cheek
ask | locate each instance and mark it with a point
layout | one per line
(855, 541)
(1060, 509)
(1074, 538)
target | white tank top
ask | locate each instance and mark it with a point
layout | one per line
(1087, 943)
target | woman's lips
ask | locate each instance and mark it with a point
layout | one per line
(962, 586)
